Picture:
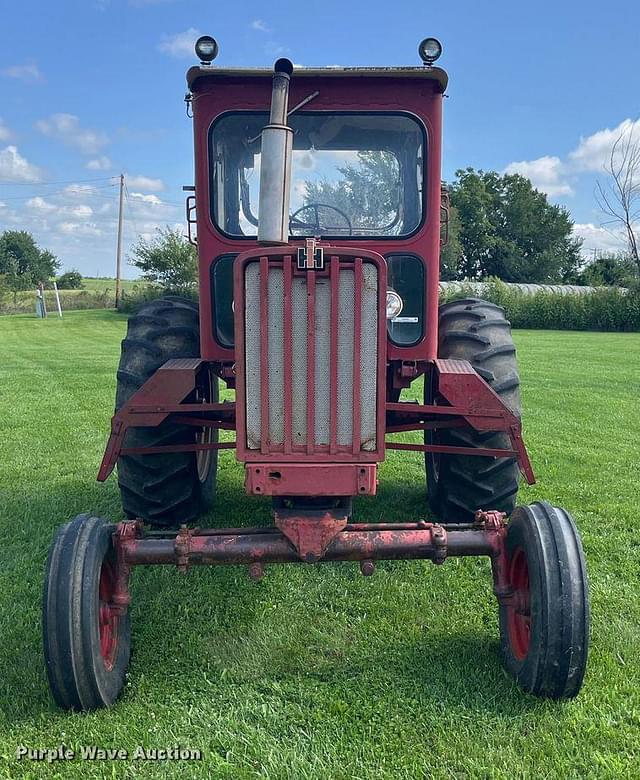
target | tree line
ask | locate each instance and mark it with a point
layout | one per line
(24, 265)
(501, 227)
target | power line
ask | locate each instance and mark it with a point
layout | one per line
(91, 192)
(166, 203)
(50, 183)
(129, 209)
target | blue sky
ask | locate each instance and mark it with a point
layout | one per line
(89, 89)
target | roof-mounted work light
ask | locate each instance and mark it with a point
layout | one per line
(206, 49)
(429, 50)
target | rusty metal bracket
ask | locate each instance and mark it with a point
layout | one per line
(461, 386)
(490, 519)
(310, 533)
(439, 541)
(125, 532)
(495, 523)
(160, 397)
(182, 547)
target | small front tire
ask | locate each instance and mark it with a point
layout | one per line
(544, 629)
(87, 644)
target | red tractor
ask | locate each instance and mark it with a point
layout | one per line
(320, 217)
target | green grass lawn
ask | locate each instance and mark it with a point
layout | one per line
(317, 672)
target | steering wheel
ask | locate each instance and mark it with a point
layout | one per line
(315, 227)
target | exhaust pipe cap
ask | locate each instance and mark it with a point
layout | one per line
(283, 65)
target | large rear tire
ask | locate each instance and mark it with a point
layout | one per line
(458, 485)
(164, 490)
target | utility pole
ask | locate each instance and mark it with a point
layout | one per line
(119, 247)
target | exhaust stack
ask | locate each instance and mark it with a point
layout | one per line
(275, 162)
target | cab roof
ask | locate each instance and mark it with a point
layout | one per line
(437, 75)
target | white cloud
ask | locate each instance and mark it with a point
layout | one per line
(5, 133)
(153, 199)
(258, 24)
(101, 163)
(14, 167)
(180, 44)
(74, 190)
(599, 238)
(545, 173)
(41, 208)
(72, 222)
(144, 183)
(80, 212)
(66, 128)
(79, 229)
(40, 204)
(298, 191)
(28, 72)
(594, 151)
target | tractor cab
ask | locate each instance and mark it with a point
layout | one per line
(362, 170)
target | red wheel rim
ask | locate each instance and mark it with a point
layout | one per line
(107, 616)
(519, 610)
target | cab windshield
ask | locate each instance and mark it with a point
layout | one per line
(353, 175)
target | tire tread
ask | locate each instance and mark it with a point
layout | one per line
(477, 331)
(163, 490)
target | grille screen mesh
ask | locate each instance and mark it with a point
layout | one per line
(275, 357)
(252, 352)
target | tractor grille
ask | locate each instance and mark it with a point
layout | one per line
(311, 357)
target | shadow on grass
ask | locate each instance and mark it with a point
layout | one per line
(457, 671)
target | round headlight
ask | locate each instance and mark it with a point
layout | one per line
(206, 49)
(429, 50)
(394, 304)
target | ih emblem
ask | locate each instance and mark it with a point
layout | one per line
(310, 257)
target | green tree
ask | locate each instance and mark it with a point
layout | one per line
(510, 230)
(368, 192)
(71, 280)
(168, 259)
(612, 270)
(22, 262)
(10, 280)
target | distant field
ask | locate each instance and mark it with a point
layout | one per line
(96, 293)
(105, 283)
(317, 673)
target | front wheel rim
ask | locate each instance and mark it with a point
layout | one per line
(107, 616)
(519, 610)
